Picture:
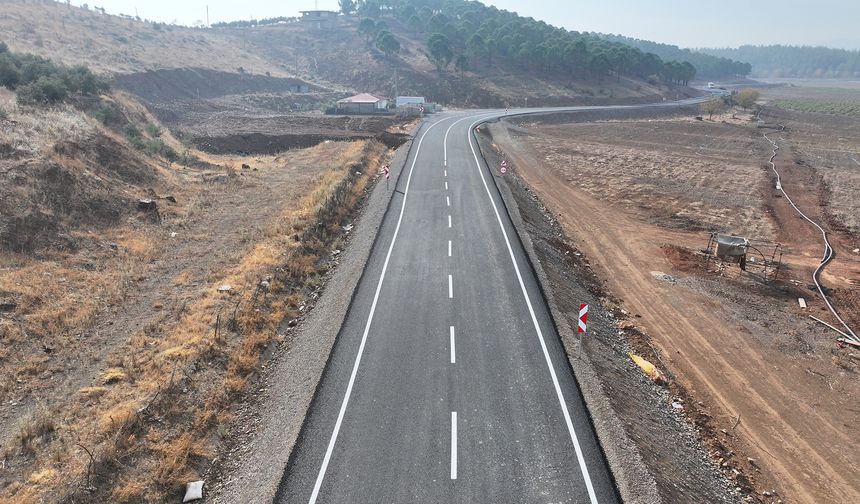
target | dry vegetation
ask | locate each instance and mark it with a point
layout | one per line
(121, 358)
(700, 181)
(112, 44)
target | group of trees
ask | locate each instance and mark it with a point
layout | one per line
(707, 66)
(745, 98)
(377, 31)
(471, 34)
(794, 61)
(38, 80)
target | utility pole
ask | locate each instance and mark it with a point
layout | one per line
(207, 17)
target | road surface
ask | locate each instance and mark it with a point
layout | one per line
(448, 382)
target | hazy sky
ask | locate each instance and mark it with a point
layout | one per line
(688, 23)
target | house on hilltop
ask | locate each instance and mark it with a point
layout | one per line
(363, 103)
(319, 19)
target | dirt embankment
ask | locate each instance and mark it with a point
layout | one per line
(166, 85)
(766, 388)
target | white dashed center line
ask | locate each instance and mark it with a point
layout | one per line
(450, 286)
(446, 173)
(453, 445)
(446, 186)
(448, 200)
(453, 354)
(449, 248)
(449, 221)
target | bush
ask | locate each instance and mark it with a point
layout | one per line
(153, 130)
(41, 81)
(105, 114)
(46, 90)
(131, 132)
(9, 74)
(3, 114)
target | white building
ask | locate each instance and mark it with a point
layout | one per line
(400, 101)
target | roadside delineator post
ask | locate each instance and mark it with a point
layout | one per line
(387, 172)
(582, 328)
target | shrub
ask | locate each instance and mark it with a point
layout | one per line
(3, 113)
(104, 114)
(9, 74)
(48, 89)
(131, 131)
(153, 130)
(41, 81)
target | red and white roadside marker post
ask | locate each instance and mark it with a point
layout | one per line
(387, 172)
(503, 166)
(582, 330)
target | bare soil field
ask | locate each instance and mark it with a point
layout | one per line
(772, 396)
(128, 336)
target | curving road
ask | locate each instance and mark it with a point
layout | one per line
(448, 382)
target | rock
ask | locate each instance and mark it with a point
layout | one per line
(245, 166)
(292, 322)
(170, 199)
(626, 325)
(767, 493)
(147, 205)
(193, 491)
(225, 288)
(348, 228)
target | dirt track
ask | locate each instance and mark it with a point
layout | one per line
(743, 355)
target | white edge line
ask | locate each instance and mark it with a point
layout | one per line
(453, 353)
(453, 445)
(579, 456)
(349, 386)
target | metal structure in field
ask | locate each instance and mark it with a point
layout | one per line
(748, 255)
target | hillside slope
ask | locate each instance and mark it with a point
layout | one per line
(344, 60)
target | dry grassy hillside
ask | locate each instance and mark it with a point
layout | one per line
(112, 44)
(339, 60)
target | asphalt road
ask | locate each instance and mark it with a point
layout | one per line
(448, 382)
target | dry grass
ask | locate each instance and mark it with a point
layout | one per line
(65, 33)
(181, 373)
(30, 131)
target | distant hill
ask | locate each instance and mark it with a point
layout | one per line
(708, 65)
(794, 61)
(455, 52)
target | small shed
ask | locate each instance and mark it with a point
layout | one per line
(363, 103)
(319, 19)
